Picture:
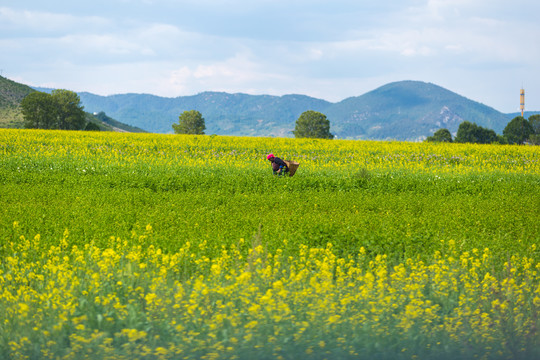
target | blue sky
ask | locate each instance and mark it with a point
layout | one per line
(485, 50)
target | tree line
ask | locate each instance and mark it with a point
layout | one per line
(313, 124)
(518, 131)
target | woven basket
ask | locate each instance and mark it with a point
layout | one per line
(292, 165)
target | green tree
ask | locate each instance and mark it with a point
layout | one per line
(534, 120)
(486, 136)
(441, 135)
(466, 132)
(70, 113)
(39, 111)
(190, 122)
(518, 130)
(90, 126)
(471, 133)
(501, 139)
(312, 124)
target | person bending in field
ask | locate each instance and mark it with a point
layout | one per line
(278, 166)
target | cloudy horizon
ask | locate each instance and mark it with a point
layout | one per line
(483, 50)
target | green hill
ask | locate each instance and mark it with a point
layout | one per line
(409, 110)
(12, 93)
(110, 124)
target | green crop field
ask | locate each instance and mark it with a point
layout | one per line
(147, 246)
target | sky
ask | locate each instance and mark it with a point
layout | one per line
(485, 50)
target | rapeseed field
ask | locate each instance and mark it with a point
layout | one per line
(147, 246)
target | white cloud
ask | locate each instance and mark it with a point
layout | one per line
(326, 49)
(45, 23)
(234, 74)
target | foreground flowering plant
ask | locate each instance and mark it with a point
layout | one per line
(132, 300)
(385, 250)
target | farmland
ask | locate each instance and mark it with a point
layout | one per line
(169, 246)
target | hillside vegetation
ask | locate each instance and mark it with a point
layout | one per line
(12, 93)
(405, 110)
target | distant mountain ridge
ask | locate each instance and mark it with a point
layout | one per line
(405, 110)
(410, 110)
(224, 113)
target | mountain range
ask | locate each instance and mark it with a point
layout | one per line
(404, 110)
